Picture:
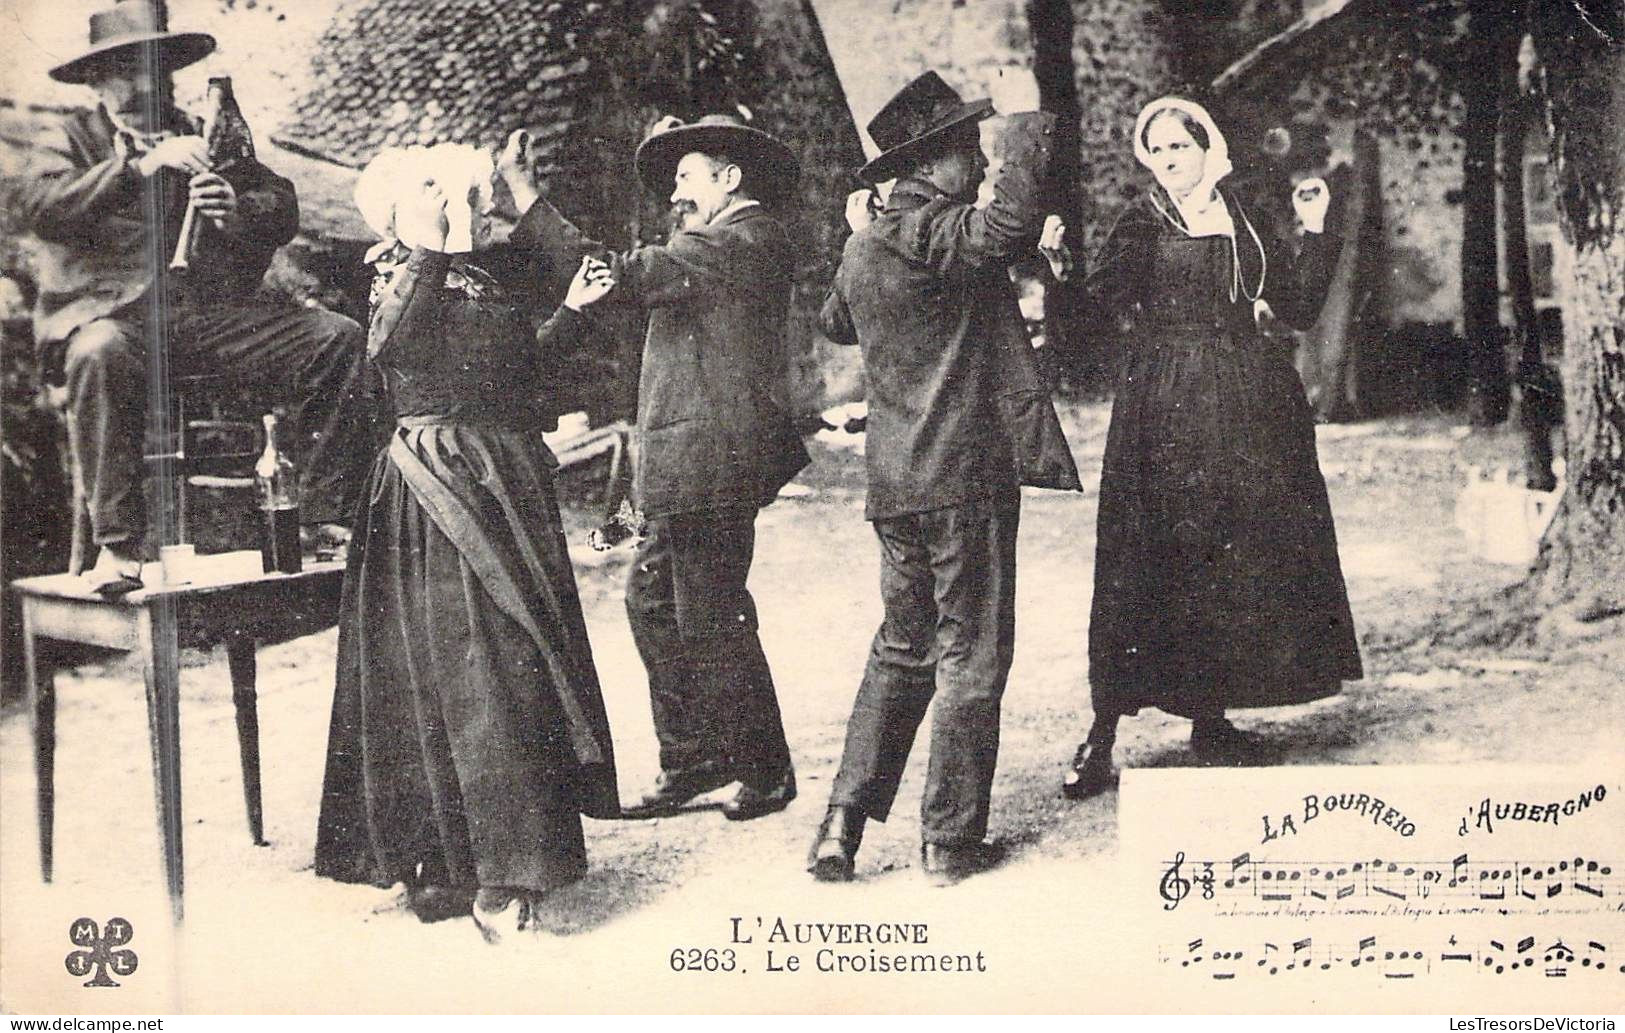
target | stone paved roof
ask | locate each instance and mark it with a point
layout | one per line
(401, 72)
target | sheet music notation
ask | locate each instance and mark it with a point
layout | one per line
(1500, 884)
(1546, 958)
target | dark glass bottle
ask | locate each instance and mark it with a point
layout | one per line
(279, 505)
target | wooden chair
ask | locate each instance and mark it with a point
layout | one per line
(206, 450)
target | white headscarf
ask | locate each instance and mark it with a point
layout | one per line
(1202, 212)
(462, 172)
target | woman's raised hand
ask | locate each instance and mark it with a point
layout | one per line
(1052, 245)
(592, 281)
(1310, 199)
(517, 169)
(1012, 89)
(860, 208)
(421, 219)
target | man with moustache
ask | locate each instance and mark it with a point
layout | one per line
(714, 445)
(957, 421)
(103, 199)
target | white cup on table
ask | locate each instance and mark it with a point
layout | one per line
(177, 563)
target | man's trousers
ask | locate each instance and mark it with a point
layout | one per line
(310, 360)
(695, 626)
(947, 579)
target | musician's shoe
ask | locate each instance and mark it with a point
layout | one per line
(945, 864)
(117, 571)
(673, 789)
(1217, 741)
(1091, 772)
(834, 852)
(753, 801)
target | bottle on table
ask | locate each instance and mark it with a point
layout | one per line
(279, 505)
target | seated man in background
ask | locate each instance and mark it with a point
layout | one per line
(104, 197)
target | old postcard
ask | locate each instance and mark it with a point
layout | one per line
(812, 506)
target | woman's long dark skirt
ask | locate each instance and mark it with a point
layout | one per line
(1217, 581)
(450, 761)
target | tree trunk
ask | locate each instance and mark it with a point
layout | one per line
(1536, 414)
(1488, 388)
(1329, 364)
(1051, 25)
(808, 111)
(1581, 566)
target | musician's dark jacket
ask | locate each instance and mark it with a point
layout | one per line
(713, 436)
(85, 206)
(956, 410)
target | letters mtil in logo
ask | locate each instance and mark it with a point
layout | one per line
(99, 953)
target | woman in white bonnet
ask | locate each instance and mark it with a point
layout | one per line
(468, 733)
(1217, 582)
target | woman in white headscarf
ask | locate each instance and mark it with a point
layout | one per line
(468, 733)
(1217, 583)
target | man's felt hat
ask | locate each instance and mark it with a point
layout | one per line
(131, 25)
(915, 121)
(772, 163)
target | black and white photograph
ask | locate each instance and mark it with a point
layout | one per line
(812, 507)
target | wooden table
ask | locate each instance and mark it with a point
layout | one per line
(228, 602)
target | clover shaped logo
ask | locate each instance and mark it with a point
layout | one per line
(99, 953)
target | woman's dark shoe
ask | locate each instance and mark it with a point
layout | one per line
(753, 801)
(1217, 741)
(834, 853)
(498, 912)
(1091, 773)
(438, 903)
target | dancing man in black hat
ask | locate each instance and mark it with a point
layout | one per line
(104, 196)
(925, 291)
(714, 445)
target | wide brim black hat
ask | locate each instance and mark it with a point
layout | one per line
(175, 50)
(889, 164)
(774, 165)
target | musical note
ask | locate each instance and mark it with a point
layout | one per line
(1502, 884)
(1555, 961)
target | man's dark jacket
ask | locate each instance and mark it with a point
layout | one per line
(712, 434)
(84, 204)
(956, 409)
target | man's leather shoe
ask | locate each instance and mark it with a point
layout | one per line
(945, 864)
(753, 802)
(834, 852)
(673, 789)
(1091, 772)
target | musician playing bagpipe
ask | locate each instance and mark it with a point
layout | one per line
(104, 197)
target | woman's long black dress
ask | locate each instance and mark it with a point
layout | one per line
(1217, 582)
(468, 732)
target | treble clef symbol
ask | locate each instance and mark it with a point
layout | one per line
(1174, 887)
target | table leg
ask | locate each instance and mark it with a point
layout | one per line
(42, 723)
(240, 658)
(156, 637)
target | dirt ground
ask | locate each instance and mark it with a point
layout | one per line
(1393, 485)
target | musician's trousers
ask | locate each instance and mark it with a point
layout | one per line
(310, 360)
(695, 626)
(947, 581)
